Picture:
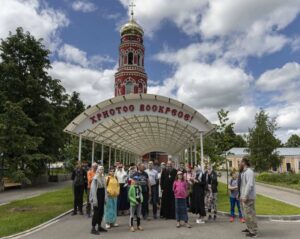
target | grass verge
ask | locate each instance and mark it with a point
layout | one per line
(264, 205)
(21, 215)
(280, 184)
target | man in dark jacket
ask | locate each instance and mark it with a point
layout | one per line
(79, 177)
(211, 178)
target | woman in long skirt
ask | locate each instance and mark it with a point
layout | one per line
(198, 195)
(113, 191)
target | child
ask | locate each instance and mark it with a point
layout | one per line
(233, 187)
(136, 199)
(180, 188)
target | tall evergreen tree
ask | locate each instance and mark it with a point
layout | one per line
(263, 143)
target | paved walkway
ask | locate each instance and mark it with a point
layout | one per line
(292, 198)
(18, 193)
(78, 227)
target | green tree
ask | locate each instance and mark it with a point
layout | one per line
(263, 143)
(293, 141)
(24, 75)
(218, 143)
(18, 145)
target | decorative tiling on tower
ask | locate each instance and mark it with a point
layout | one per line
(131, 76)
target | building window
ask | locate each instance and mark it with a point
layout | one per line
(230, 163)
(139, 59)
(130, 58)
(288, 167)
(129, 87)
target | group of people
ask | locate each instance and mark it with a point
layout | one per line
(131, 190)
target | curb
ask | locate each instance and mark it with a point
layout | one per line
(290, 190)
(39, 227)
(269, 217)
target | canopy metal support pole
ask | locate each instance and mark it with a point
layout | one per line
(191, 155)
(79, 149)
(115, 155)
(201, 149)
(93, 152)
(102, 154)
(109, 159)
(195, 152)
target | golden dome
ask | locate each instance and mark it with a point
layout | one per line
(131, 27)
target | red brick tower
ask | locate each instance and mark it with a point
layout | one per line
(131, 77)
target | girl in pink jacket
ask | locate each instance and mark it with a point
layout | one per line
(180, 188)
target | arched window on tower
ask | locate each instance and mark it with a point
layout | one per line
(130, 58)
(139, 59)
(141, 87)
(129, 87)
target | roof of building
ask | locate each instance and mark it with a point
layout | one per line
(141, 123)
(281, 151)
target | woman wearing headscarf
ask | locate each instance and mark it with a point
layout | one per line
(113, 191)
(98, 196)
(198, 194)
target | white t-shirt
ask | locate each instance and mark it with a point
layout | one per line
(121, 176)
(153, 176)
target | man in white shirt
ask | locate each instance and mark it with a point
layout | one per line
(153, 180)
(123, 203)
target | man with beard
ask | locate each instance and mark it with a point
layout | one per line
(168, 177)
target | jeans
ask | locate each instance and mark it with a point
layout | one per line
(135, 210)
(154, 199)
(233, 202)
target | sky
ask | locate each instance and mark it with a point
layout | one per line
(242, 56)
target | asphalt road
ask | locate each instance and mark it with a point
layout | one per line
(78, 227)
(292, 198)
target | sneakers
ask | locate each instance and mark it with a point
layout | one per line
(178, 225)
(200, 221)
(252, 235)
(140, 228)
(132, 229)
(107, 226)
(242, 220)
(116, 225)
(246, 230)
(231, 219)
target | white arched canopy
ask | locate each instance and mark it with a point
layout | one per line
(141, 123)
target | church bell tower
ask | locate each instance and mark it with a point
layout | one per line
(131, 77)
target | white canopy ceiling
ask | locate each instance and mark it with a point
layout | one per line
(141, 123)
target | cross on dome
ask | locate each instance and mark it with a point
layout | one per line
(132, 5)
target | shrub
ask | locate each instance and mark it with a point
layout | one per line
(287, 178)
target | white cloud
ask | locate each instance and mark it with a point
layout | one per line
(285, 77)
(226, 16)
(151, 13)
(84, 6)
(35, 17)
(72, 54)
(94, 86)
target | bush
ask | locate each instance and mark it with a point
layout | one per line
(285, 178)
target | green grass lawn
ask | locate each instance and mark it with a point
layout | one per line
(23, 214)
(264, 205)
